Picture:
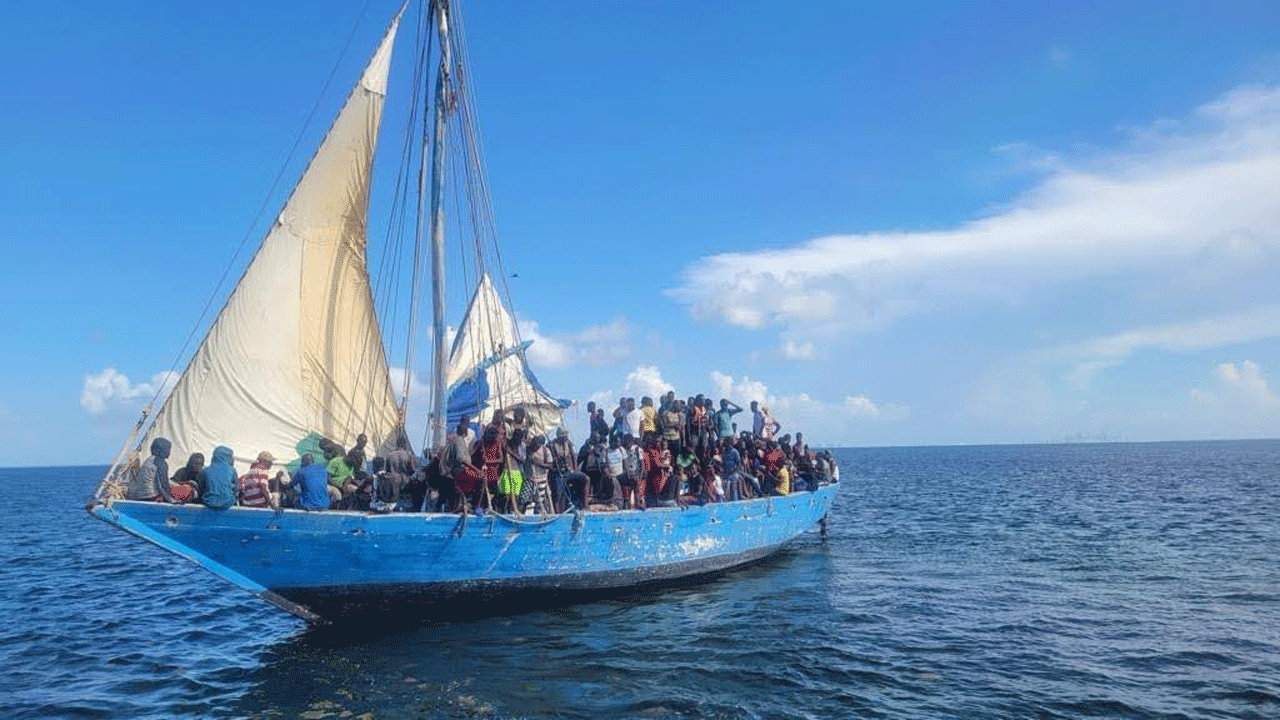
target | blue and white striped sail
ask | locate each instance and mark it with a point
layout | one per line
(488, 370)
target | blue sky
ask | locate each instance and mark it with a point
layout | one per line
(904, 224)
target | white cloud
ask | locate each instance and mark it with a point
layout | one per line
(1200, 396)
(110, 387)
(1179, 188)
(860, 405)
(793, 350)
(1230, 328)
(1025, 156)
(741, 391)
(821, 421)
(1059, 56)
(1238, 402)
(1245, 384)
(419, 390)
(645, 380)
(597, 345)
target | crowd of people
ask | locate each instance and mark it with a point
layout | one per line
(678, 452)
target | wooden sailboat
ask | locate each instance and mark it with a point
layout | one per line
(297, 355)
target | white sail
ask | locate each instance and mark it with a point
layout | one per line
(296, 352)
(487, 368)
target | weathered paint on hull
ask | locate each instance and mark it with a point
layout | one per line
(295, 557)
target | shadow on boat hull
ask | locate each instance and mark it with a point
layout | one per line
(458, 601)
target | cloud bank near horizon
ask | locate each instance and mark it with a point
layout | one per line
(1196, 190)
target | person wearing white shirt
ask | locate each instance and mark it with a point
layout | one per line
(634, 418)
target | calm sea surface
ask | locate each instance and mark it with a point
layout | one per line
(1065, 581)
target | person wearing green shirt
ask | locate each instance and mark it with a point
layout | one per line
(341, 469)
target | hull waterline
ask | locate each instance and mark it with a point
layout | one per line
(318, 564)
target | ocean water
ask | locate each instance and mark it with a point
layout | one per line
(1052, 581)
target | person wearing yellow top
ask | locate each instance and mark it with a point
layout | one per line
(784, 480)
(649, 419)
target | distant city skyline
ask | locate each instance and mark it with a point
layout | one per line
(933, 223)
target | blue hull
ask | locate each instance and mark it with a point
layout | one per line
(297, 559)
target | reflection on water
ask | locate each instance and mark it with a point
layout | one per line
(646, 652)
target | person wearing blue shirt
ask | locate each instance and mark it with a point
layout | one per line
(313, 482)
(724, 417)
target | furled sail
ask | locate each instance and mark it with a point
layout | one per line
(487, 368)
(296, 353)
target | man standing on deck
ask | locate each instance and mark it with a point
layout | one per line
(599, 425)
(619, 426)
(672, 422)
(730, 462)
(361, 456)
(757, 419)
(635, 420)
(633, 471)
(724, 417)
(648, 417)
(668, 401)
(402, 464)
(563, 463)
(615, 473)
